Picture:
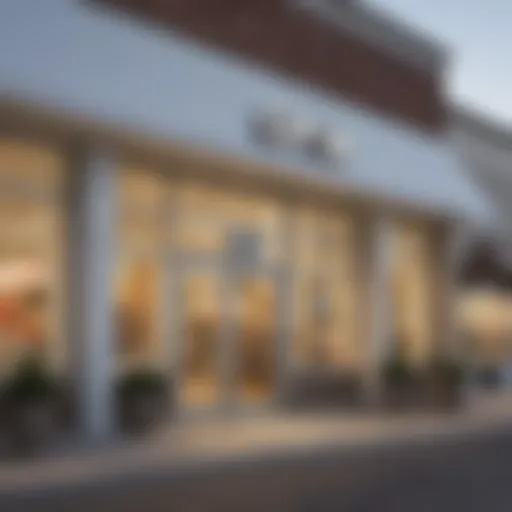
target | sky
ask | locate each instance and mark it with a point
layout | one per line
(478, 34)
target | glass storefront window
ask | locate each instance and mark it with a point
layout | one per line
(255, 338)
(233, 256)
(414, 291)
(325, 294)
(161, 218)
(202, 339)
(486, 325)
(137, 302)
(139, 270)
(30, 253)
(207, 216)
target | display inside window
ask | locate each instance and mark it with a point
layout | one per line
(136, 307)
(30, 252)
(413, 292)
(325, 290)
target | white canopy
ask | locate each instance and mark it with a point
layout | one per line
(71, 55)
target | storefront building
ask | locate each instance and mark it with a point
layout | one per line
(485, 283)
(167, 203)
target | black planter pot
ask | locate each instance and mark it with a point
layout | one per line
(445, 396)
(403, 397)
(141, 412)
(143, 399)
(33, 425)
(324, 390)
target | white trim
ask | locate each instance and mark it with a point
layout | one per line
(391, 160)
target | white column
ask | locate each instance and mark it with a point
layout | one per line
(91, 223)
(378, 315)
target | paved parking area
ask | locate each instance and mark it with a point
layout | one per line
(269, 462)
(465, 475)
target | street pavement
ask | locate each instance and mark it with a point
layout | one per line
(470, 473)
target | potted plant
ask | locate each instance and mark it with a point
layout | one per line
(400, 380)
(31, 398)
(445, 377)
(142, 396)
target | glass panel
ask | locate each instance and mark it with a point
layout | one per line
(484, 316)
(208, 214)
(137, 309)
(196, 234)
(30, 256)
(140, 193)
(140, 211)
(201, 339)
(25, 306)
(325, 301)
(255, 337)
(413, 292)
(140, 271)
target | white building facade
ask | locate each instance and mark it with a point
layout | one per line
(485, 150)
(220, 221)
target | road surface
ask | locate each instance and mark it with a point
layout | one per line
(474, 474)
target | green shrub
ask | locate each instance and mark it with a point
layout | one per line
(397, 370)
(31, 383)
(143, 381)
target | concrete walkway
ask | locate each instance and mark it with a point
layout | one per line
(188, 448)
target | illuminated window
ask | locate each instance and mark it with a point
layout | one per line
(139, 270)
(325, 290)
(31, 281)
(413, 291)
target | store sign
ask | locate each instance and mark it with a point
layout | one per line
(286, 132)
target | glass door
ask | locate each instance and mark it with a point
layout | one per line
(255, 337)
(200, 336)
(227, 337)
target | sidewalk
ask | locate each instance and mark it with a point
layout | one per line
(185, 449)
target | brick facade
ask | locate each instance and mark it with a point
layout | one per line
(275, 34)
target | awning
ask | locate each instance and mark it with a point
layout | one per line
(163, 84)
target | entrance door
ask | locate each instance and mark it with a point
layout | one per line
(200, 337)
(226, 336)
(255, 337)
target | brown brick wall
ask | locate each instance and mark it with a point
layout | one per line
(274, 34)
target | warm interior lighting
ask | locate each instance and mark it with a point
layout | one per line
(30, 243)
